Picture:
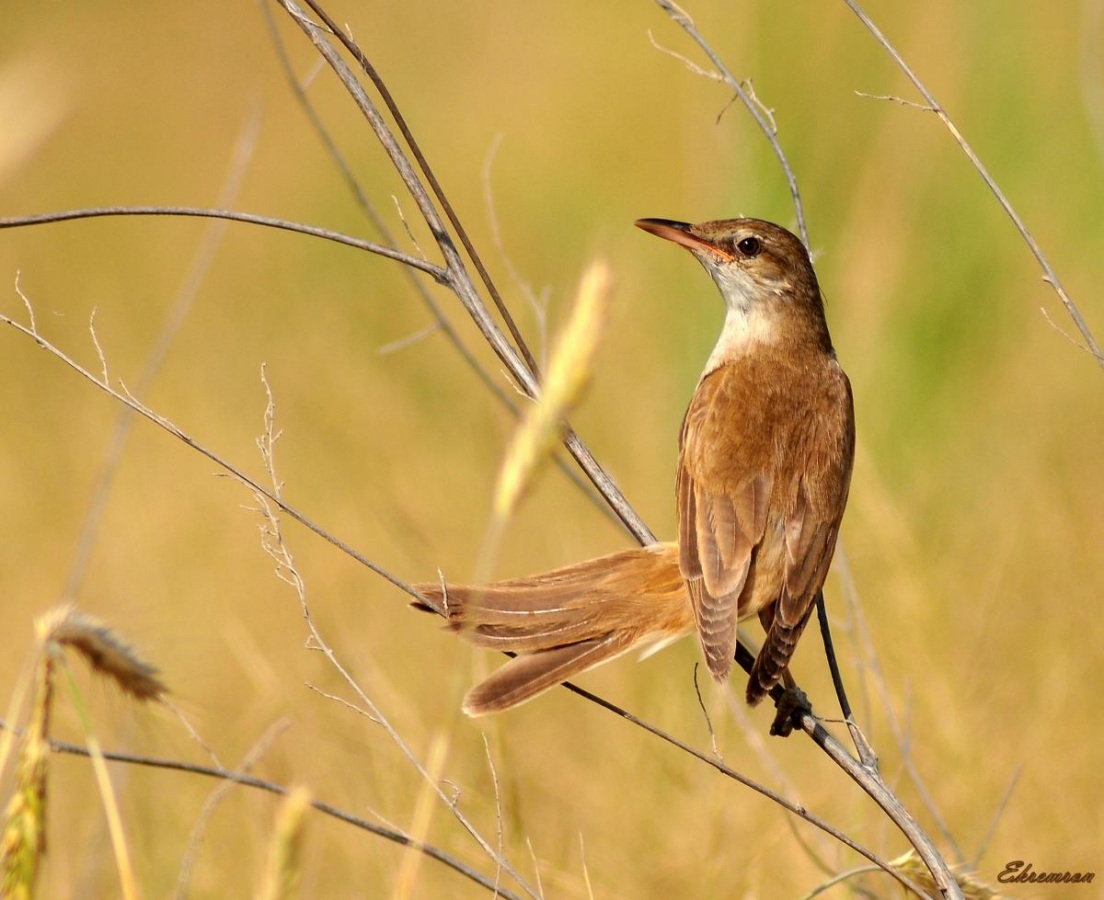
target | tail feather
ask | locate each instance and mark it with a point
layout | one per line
(530, 675)
(566, 621)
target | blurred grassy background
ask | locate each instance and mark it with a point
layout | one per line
(974, 534)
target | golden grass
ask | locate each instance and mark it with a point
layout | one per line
(23, 827)
(284, 870)
(974, 531)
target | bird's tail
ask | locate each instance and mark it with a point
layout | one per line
(563, 622)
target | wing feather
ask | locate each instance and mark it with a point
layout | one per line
(811, 529)
(720, 525)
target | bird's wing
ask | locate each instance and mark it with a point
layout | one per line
(810, 540)
(721, 521)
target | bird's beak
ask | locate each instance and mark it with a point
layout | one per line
(681, 233)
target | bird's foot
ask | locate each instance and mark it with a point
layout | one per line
(788, 708)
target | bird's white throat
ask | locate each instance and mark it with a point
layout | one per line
(743, 331)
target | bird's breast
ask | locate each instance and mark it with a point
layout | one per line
(761, 417)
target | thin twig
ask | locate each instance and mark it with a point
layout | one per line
(272, 787)
(754, 107)
(457, 277)
(496, 789)
(900, 101)
(274, 544)
(435, 272)
(409, 341)
(1050, 276)
(685, 60)
(705, 715)
(1069, 338)
(536, 864)
(372, 214)
(370, 70)
(838, 879)
(538, 305)
(811, 726)
(244, 147)
(348, 704)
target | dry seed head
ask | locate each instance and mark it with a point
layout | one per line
(568, 371)
(104, 650)
(913, 868)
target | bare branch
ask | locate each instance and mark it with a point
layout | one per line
(348, 704)
(32, 329)
(372, 214)
(811, 726)
(766, 123)
(457, 277)
(898, 100)
(499, 836)
(705, 715)
(1065, 334)
(368, 208)
(685, 60)
(867, 756)
(436, 272)
(272, 787)
(423, 164)
(126, 398)
(1002, 804)
(1049, 275)
(409, 341)
(272, 540)
(178, 311)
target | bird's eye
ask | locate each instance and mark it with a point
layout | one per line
(749, 246)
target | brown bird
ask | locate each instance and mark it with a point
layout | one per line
(765, 457)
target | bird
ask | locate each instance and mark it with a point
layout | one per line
(765, 455)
